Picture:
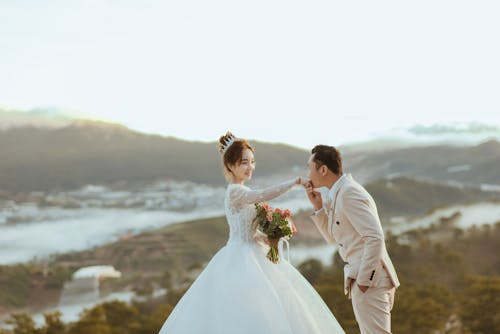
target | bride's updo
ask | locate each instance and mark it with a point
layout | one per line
(234, 152)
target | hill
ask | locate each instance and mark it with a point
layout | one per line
(47, 150)
(471, 165)
(88, 152)
(402, 196)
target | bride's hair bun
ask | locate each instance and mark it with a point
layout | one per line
(223, 140)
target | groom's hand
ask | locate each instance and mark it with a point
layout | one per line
(314, 196)
(363, 288)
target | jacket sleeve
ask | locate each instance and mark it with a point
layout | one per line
(321, 222)
(364, 218)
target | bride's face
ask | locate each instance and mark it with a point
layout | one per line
(243, 170)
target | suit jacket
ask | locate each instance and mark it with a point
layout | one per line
(351, 221)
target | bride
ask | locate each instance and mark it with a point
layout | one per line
(240, 290)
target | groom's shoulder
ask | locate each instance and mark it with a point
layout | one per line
(353, 188)
(351, 183)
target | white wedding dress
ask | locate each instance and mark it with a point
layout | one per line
(241, 292)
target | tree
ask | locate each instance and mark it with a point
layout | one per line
(153, 323)
(53, 324)
(121, 317)
(92, 321)
(421, 309)
(23, 324)
(480, 305)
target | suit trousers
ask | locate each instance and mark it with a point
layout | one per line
(372, 308)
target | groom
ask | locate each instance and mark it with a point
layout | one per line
(350, 220)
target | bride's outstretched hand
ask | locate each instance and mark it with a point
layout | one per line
(301, 181)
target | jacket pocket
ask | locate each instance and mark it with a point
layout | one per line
(337, 226)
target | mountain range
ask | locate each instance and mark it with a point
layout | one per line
(46, 150)
(89, 152)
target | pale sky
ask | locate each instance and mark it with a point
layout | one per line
(301, 72)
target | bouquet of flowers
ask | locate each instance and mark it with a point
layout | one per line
(275, 224)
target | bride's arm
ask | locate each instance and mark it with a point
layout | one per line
(243, 196)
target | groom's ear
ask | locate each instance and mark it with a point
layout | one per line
(324, 170)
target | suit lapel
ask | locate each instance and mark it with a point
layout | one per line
(333, 202)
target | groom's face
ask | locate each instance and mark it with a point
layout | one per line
(314, 173)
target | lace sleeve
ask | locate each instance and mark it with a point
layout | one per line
(241, 195)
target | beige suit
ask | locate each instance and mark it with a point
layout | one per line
(351, 221)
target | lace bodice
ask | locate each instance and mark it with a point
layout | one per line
(240, 209)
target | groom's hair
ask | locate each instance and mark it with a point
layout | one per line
(328, 156)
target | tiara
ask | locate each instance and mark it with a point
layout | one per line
(227, 143)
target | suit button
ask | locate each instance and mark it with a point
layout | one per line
(338, 223)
